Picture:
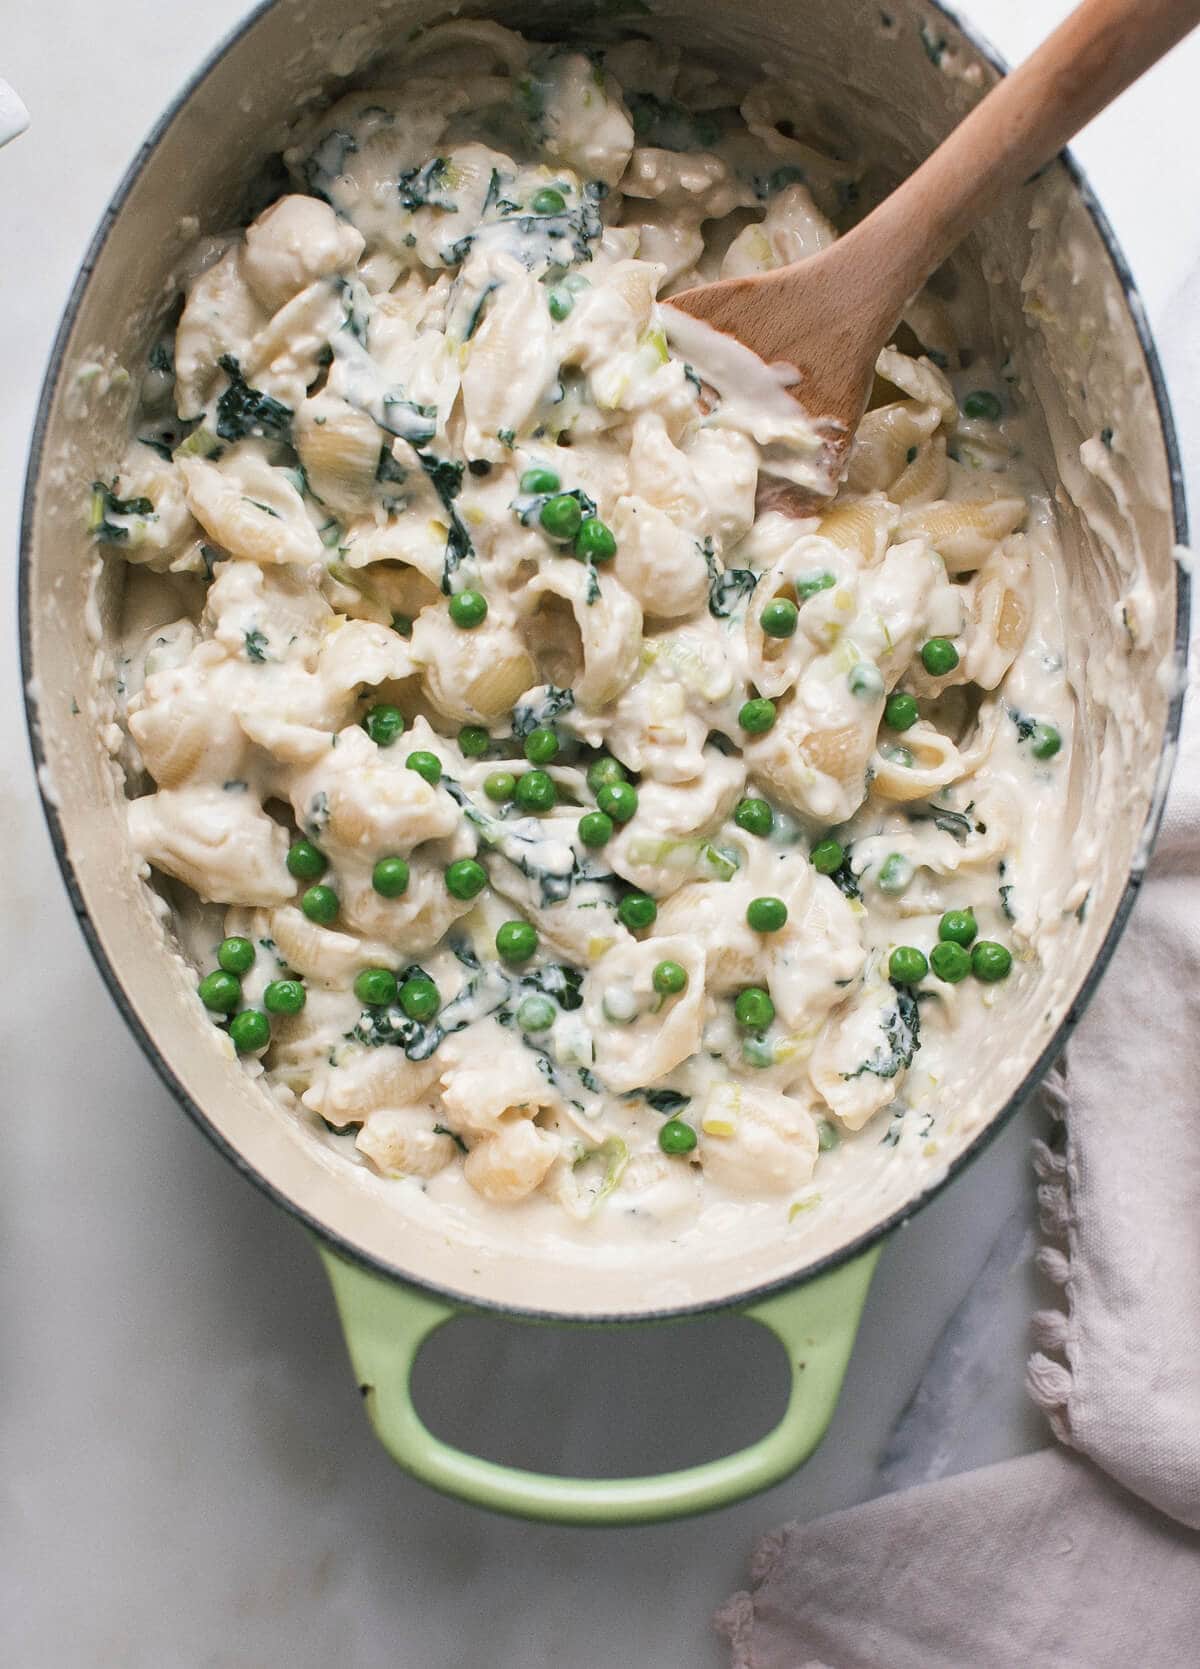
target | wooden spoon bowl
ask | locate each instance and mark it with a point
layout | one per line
(827, 317)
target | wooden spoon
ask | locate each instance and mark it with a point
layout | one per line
(827, 317)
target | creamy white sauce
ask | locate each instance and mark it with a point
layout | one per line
(244, 691)
(755, 398)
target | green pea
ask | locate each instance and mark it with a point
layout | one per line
(250, 1031)
(390, 877)
(383, 724)
(827, 856)
(419, 997)
(548, 201)
(539, 480)
(755, 816)
(284, 996)
(426, 765)
(541, 746)
(757, 1052)
(982, 403)
(939, 657)
(637, 911)
(1044, 741)
(468, 609)
(560, 302)
(990, 961)
(950, 961)
(499, 785)
(757, 716)
(535, 1014)
(305, 862)
(828, 1136)
(595, 828)
(669, 978)
(595, 541)
(779, 618)
(516, 941)
(907, 965)
(619, 800)
(402, 623)
(865, 681)
(901, 712)
(806, 588)
(603, 771)
(236, 956)
(376, 986)
(474, 741)
(895, 873)
(754, 1009)
(220, 991)
(320, 904)
(676, 1137)
(766, 915)
(535, 791)
(958, 927)
(561, 516)
(465, 878)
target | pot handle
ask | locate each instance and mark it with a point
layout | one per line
(386, 1324)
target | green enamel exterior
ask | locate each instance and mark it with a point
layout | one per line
(386, 1324)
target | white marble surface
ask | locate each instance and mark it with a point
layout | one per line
(188, 1479)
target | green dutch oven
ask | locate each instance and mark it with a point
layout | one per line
(902, 80)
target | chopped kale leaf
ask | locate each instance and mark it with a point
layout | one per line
(242, 410)
(104, 504)
(665, 1101)
(725, 589)
(541, 712)
(426, 187)
(901, 1027)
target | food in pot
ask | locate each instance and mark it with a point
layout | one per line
(550, 818)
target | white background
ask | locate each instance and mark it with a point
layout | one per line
(186, 1475)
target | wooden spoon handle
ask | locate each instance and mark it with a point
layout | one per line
(1101, 48)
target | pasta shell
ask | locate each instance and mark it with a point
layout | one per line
(316, 952)
(403, 1142)
(609, 623)
(295, 241)
(486, 1091)
(497, 689)
(250, 509)
(509, 366)
(925, 477)
(963, 531)
(1001, 606)
(370, 1078)
(863, 526)
(924, 761)
(771, 1145)
(221, 316)
(921, 379)
(884, 439)
(852, 1035)
(172, 733)
(511, 1165)
(837, 753)
(223, 846)
(339, 448)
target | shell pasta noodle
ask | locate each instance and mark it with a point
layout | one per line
(553, 825)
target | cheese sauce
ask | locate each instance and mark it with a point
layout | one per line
(612, 854)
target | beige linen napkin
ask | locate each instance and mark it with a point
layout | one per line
(1046, 1562)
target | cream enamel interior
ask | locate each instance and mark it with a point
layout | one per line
(1057, 302)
